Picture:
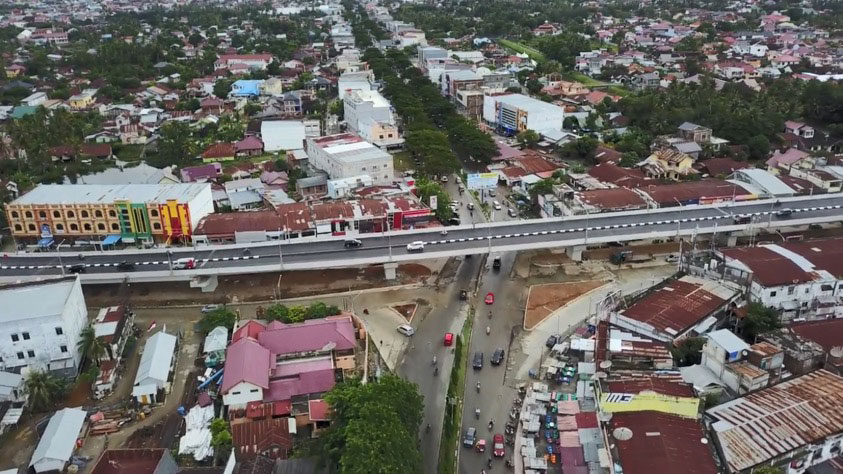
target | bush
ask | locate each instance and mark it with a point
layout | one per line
(297, 314)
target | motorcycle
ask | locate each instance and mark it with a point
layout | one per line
(478, 387)
(491, 424)
(490, 315)
(489, 463)
(436, 371)
(488, 330)
(477, 413)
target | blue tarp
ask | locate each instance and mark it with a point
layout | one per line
(111, 240)
(45, 242)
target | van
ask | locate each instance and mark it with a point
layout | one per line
(497, 205)
(184, 264)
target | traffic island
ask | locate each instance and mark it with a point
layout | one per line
(449, 441)
(544, 300)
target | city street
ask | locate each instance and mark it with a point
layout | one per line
(497, 387)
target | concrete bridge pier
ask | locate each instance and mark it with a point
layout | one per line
(206, 283)
(729, 240)
(575, 252)
(389, 270)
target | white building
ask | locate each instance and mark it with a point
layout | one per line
(56, 445)
(360, 80)
(347, 155)
(40, 324)
(278, 135)
(798, 279)
(364, 106)
(513, 113)
(12, 388)
(340, 188)
(157, 363)
(725, 354)
(34, 99)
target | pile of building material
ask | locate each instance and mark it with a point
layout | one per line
(105, 422)
(197, 436)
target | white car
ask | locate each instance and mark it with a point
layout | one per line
(406, 330)
(417, 246)
(497, 205)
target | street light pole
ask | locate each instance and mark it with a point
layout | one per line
(491, 219)
(389, 237)
(58, 252)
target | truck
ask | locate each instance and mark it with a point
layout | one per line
(628, 256)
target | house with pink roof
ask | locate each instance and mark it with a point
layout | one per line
(784, 161)
(288, 365)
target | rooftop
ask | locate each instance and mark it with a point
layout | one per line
(336, 332)
(156, 358)
(59, 439)
(529, 104)
(129, 461)
(679, 304)
(271, 436)
(692, 191)
(827, 333)
(776, 420)
(661, 443)
(108, 194)
(35, 299)
(615, 198)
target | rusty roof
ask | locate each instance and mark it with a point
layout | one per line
(765, 348)
(827, 333)
(661, 443)
(270, 437)
(777, 420)
(333, 210)
(615, 198)
(662, 385)
(746, 369)
(769, 268)
(676, 306)
(824, 254)
(230, 222)
(692, 191)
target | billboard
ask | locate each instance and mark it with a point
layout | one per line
(482, 180)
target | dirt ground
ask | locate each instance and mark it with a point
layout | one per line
(545, 299)
(406, 310)
(255, 287)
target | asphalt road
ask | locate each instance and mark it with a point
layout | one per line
(469, 237)
(496, 382)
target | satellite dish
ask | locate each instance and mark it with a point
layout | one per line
(704, 440)
(622, 434)
(604, 416)
(605, 364)
(600, 375)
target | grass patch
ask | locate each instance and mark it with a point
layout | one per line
(449, 443)
(128, 152)
(402, 161)
(582, 78)
(523, 48)
(619, 90)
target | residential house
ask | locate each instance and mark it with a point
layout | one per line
(219, 152)
(695, 133)
(84, 100)
(250, 61)
(668, 163)
(56, 446)
(790, 158)
(156, 368)
(726, 356)
(113, 326)
(201, 173)
(249, 146)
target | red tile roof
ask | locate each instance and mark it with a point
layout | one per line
(219, 150)
(612, 199)
(270, 438)
(661, 443)
(675, 307)
(249, 143)
(824, 254)
(722, 166)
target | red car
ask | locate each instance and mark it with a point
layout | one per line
(490, 298)
(449, 338)
(497, 446)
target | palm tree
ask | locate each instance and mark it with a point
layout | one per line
(90, 345)
(43, 389)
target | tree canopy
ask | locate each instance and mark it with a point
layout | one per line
(759, 319)
(218, 317)
(374, 427)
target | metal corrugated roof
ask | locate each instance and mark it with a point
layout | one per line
(59, 438)
(777, 420)
(155, 361)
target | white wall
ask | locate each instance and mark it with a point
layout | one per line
(200, 206)
(239, 395)
(280, 135)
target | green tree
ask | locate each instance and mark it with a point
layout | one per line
(44, 390)
(218, 317)
(629, 159)
(222, 87)
(90, 345)
(759, 319)
(374, 427)
(176, 145)
(426, 188)
(767, 470)
(688, 351)
(431, 147)
(758, 147)
(582, 148)
(533, 86)
(528, 138)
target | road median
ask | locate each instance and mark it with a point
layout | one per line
(449, 445)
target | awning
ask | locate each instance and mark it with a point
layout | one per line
(111, 240)
(45, 242)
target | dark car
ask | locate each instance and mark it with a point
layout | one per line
(353, 243)
(126, 266)
(76, 268)
(551, 341)
(469, 438)
(497, 356)
(496, 263)
(463, 295)
(477, 363)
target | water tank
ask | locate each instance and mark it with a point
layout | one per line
(835, 356)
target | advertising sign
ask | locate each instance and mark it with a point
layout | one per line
(482, 181)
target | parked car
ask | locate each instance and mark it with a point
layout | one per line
(498, 449)
(551, 341)
(417, 246)
(469, 438)
(477, 362)
(406, 330)
(497, 356)
(210, 307)
(444, 179)
(449, 338)
(512, 212)
(126, 266)
(353, 243)
(493, 193)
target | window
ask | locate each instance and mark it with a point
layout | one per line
(42, 214)
(63, 349)
(98, 214)
(114, 226)
(101, 226)
(111, 213)
(71, 214)
(31, 227)
(18, 228)
(87, 227)
(14, 214)
(59, 331)
(254, 390)
(83, 214)
(156, 226)
(26, 336)
(20, 355)
(772, 294)
(28, 214)
(380, 136)
(153, 212)
(807, 290)
(790, 290)
(57, 214)
(15, 338)
(30, 354)
(235, 393)
(60, 227)
(74, 228)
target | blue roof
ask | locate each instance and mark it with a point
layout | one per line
(245, 87)
(45, 242)
(111, 240)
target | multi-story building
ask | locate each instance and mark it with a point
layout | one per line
(470, 103)
(455, 81)
(346, 155)
(83, 100)
(362, 107)
(251, 61)
(360, 80)
(131, 212)
(514, 113)
(40, 325)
